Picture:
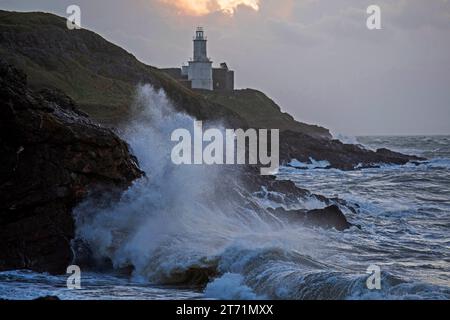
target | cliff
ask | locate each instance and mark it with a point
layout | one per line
(98, 75)
(101, 78)
(262, 112)
(52, 157)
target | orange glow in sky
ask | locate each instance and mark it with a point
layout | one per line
(203, 7)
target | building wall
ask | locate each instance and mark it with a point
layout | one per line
(200, 74)
(223, 79)
(173, 72)
(200, 53)
(230, 80)
(184, 71)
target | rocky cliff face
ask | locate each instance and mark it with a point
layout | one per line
(52, 156)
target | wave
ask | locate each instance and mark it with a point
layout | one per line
(173, 228)
(28, 285)
(312, 164)
(434, 163)
(346, 139)
(422, 146)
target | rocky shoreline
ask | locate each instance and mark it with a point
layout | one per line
(55, 156)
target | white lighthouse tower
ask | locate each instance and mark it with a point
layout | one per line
(200, 68)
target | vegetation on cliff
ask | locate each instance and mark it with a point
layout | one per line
(98, 75)
(262, 112)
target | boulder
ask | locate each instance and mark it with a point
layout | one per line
(48, 298)
(327, 218)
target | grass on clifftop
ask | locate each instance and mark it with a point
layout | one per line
(261, 112)
(102, 77)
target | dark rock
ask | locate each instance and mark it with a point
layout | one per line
(52, 156)
(294, 145)
(48, 298)
(248, 184)
(327, 218)
(60, 99)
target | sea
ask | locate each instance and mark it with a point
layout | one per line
(402, 213)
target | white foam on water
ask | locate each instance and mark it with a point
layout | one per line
(230, 286)
(346, 139)
(171, 223)
(313, 164)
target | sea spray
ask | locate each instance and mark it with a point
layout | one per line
(173, 228)
(171, 225)
(151, 213)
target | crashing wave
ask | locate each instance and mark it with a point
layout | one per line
(173, 227)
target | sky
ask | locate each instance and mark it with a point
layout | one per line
(316, 58)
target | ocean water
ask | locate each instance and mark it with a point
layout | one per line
(168, 226)
(404, 214)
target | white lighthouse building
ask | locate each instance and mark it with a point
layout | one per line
(200, 71)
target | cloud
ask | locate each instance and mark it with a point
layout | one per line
(204, 7)
(414, 14)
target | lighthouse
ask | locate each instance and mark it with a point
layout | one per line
(200, 71)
